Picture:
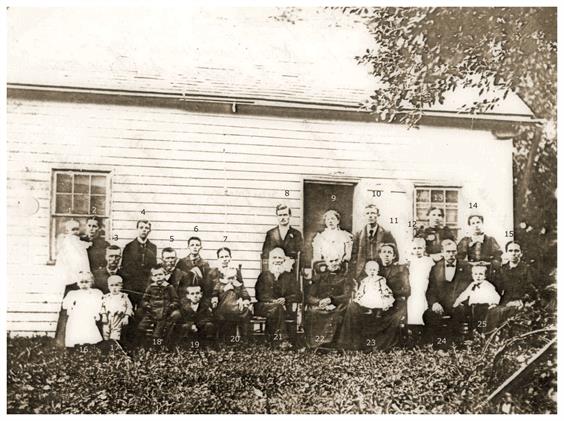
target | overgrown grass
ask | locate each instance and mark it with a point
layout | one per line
(246, 379)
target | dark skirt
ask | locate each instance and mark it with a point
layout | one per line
(376, 329)
(322, 326)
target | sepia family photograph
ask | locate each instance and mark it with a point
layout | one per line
(281, 210)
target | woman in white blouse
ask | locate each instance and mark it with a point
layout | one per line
(333, 239)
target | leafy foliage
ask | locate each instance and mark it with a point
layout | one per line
(255, 378)
(423, 53)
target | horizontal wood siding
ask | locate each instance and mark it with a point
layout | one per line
(223, 174)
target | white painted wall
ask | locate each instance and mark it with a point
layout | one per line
(224, 173)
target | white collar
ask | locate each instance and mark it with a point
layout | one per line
(142, 241)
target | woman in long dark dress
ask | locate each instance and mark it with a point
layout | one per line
(277, 295)
(326, 301)
(379, 330)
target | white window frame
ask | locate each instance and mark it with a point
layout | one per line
(53, 215)
(456, 228)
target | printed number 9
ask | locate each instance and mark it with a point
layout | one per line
(333, 198)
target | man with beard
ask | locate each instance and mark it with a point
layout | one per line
(113, 259)
(448, 278)
(176, 277)
(97, 251)
(277, 293)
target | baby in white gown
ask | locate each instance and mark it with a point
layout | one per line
(72, 255)
(373, 292)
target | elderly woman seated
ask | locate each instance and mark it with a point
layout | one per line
(327, 300)
(277, 293)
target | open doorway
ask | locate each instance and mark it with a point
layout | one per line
(319, 197)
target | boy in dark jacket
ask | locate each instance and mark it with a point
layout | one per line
(197, 315)
(159, 307)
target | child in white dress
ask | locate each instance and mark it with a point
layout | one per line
(373, 292)
(116, 309)
(419, 270)
(83, 307)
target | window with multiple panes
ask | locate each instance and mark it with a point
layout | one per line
(445, 198)
(77, 195)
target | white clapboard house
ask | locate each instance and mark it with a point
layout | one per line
(203, 122)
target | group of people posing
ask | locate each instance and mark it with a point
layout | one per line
(355, 295)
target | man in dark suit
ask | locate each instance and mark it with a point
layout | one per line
(179, 279)
(436, 232)
(97, 251)
(194, 262)
(448, 278)
(138, 257)
(367, 240)
(284, 236)
(101, 275)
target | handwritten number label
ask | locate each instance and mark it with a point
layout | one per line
(142, 211)
(171, 238)
(509, 233)
(196, 229)
(393, 220)
(115, 237)
(441, 341)
(286, 193)
(412, 224)
(333, 198)
(235, 339)
(225, 238)
(473, 205)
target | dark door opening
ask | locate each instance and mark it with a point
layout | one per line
(319, 197)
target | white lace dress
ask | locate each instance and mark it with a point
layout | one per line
(331, 242)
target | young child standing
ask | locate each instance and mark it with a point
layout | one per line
(159, 306)
(83, 307)
(116, 309)
(419, 270)
(373, 292)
